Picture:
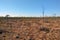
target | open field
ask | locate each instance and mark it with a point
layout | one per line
(29, 28)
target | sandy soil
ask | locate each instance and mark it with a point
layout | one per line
(29, 29)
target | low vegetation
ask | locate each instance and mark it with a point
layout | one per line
(30, 28)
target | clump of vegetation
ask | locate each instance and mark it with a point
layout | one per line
(46, 21)
(45, 29)
(18, 36)
(1, 31)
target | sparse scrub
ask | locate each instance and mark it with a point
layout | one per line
(11, 27)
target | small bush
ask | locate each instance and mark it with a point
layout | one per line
(44, 29)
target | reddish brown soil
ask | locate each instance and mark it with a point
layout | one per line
(29, 28)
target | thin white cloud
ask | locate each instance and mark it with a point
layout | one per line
(12, 14)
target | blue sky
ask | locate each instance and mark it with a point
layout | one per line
(29, 7)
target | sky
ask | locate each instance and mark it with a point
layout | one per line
(29, 7)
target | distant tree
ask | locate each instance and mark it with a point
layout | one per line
(54, 15)
(7, 15)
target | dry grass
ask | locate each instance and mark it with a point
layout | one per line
(30, 28)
